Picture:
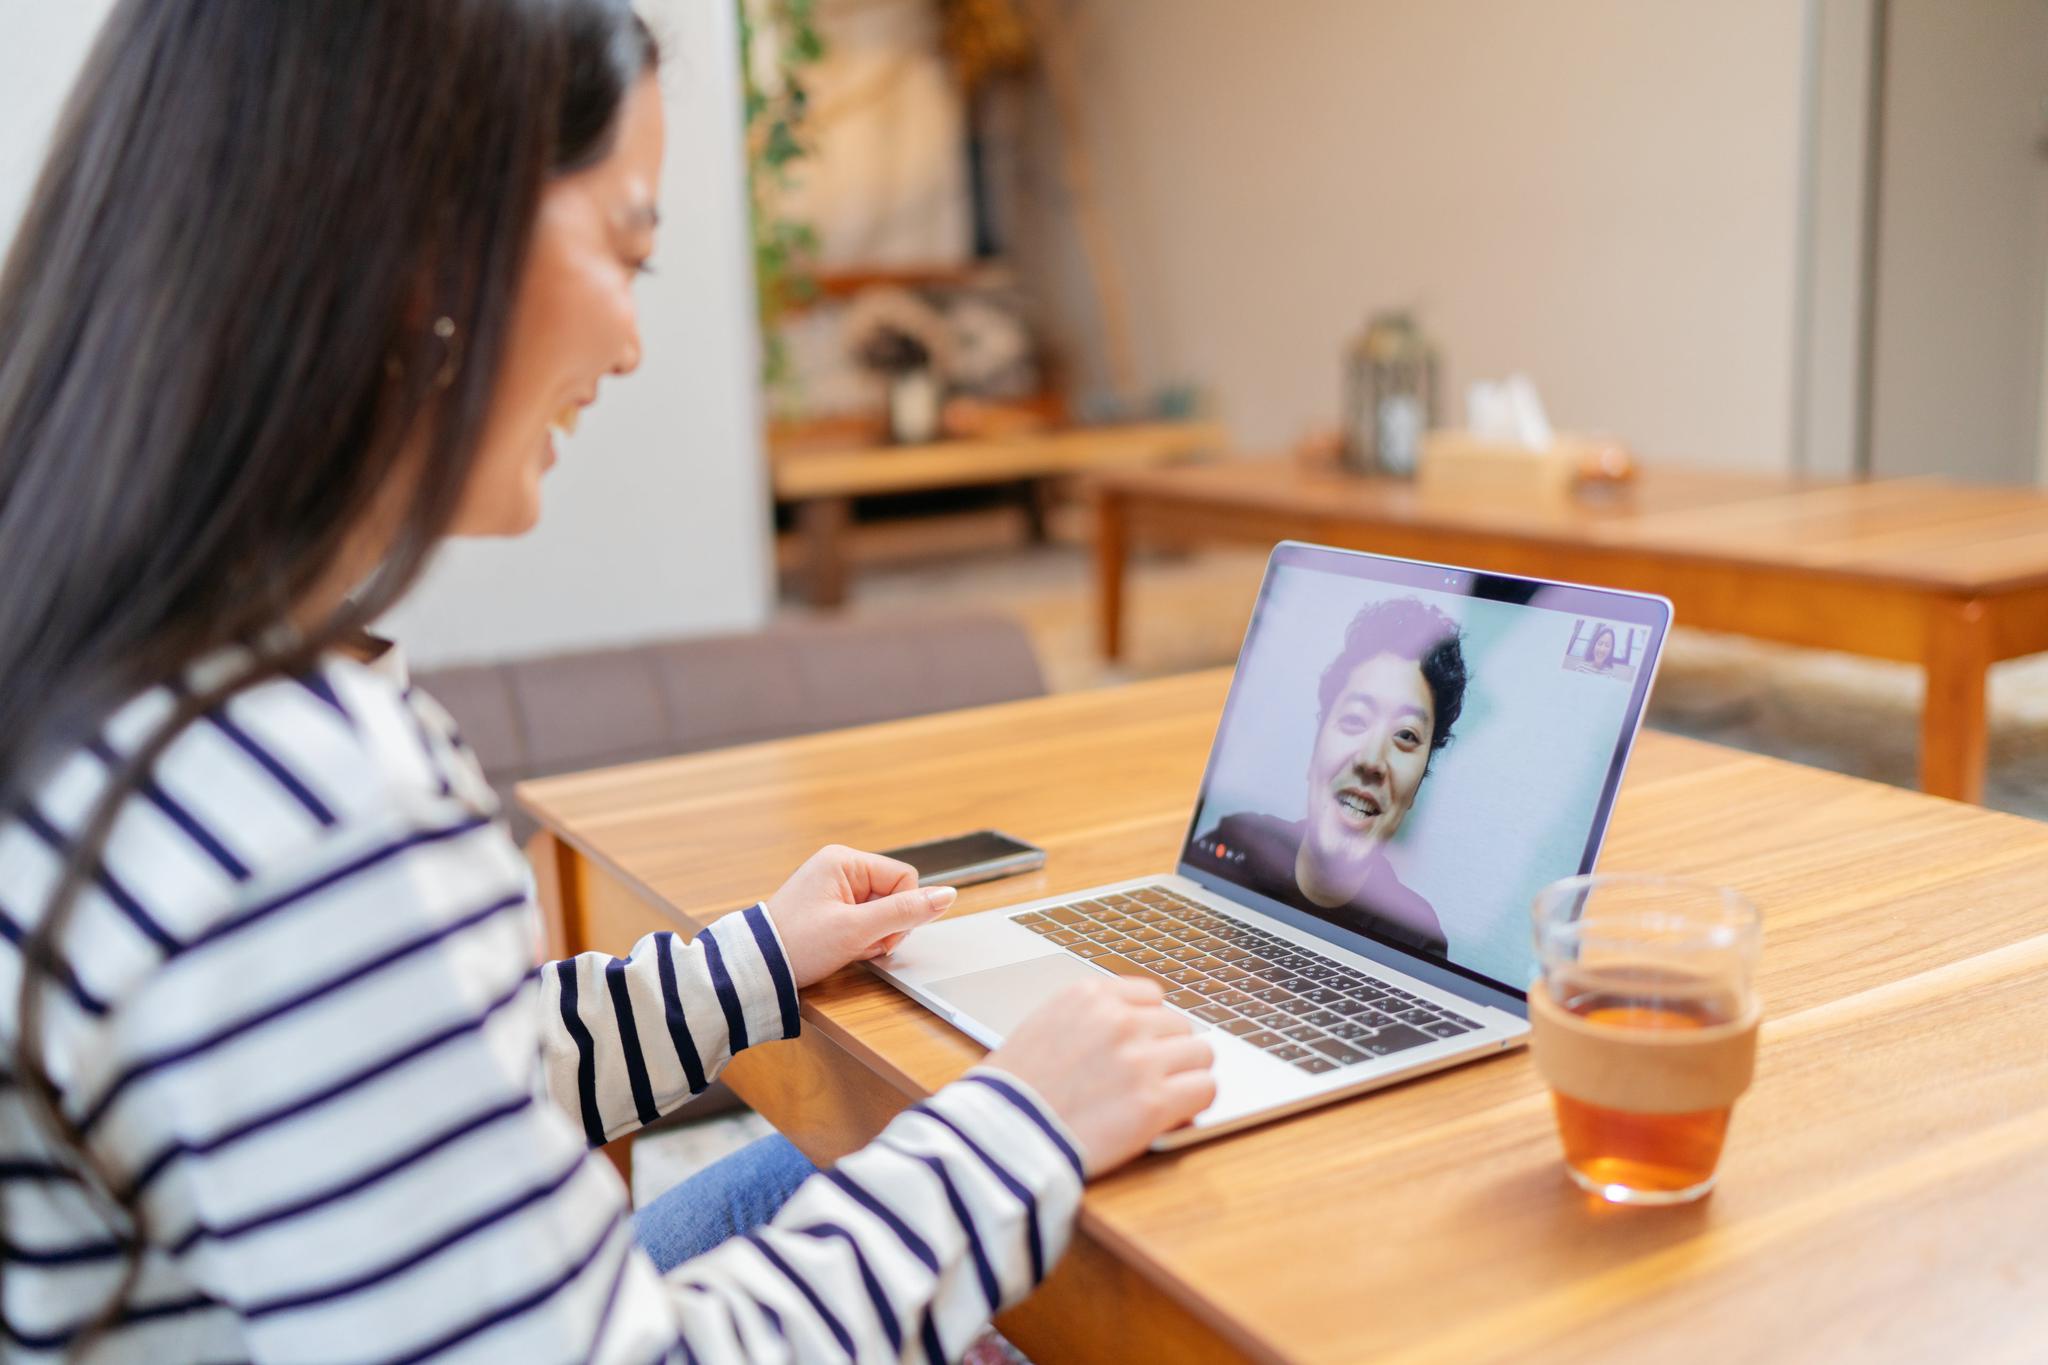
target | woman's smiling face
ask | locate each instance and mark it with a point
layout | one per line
(1370, 755)
(575, 320)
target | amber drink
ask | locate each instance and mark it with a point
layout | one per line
(1644, 1023)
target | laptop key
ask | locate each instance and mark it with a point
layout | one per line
(1352, 1033)
(1273, 995)
(1340, 1053)
(1288, 1052)
(1350, 1007)
(1088, 950)
(1321, 995)
(1302, 1033)
(1264, 1038)
(1066, 938)
(1212, 1014)
(1145, 957)
(1315, 1066)
(1185, 976)
(1234, 999)
(1322, 1018)
(1033, 918)
(1209, 987)
(1240, 1028)
(1232, 974)
(1444, 1029)
(1394, 1038)
(1186, 1000)
(1416, 1016)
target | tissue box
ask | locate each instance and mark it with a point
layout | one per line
(1459, 463)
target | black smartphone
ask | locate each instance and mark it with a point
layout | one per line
(964, 859)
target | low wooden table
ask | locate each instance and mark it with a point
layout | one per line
(1949, 577)
(823, 481)
(1883, 1185)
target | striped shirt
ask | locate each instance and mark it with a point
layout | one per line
(301, 1023)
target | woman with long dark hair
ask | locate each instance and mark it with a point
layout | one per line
(301, 292)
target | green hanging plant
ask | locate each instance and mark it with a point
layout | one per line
(778, 40)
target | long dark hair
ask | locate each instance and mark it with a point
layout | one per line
(258, 299)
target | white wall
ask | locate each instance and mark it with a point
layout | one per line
(45, 45)
(1604, 193)
(656, 520)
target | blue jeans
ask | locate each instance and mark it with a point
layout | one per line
(732, 1195)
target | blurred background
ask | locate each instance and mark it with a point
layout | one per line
(926, 264)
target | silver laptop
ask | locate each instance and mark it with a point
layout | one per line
(1408, 753)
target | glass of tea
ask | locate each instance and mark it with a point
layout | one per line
(1644, 1022)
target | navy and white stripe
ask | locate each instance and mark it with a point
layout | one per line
(304, 1028)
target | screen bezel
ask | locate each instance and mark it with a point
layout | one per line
(1609, 604)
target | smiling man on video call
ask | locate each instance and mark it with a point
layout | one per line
(1388, 702)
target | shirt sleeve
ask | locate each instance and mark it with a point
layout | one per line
(330, 1113)
(955, 1212)
(626, 1039)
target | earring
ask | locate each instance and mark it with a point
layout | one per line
(444, 328)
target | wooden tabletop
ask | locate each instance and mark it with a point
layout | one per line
(1922, 532)
(809, 473)
(1885, 1179)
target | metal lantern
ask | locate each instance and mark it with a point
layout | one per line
(1389, 396)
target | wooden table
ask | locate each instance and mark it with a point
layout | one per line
(1885, 1181)
(1948, 577)
(823, 480)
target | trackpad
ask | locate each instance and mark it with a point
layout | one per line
(1000, 997)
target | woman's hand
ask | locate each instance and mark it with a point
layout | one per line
(846, 906)
(1113, 1062)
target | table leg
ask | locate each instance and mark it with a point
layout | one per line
(558, 873)
(1955, 724)
(1112, 561)
(824, 522)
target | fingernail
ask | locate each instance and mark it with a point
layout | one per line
(941, 898)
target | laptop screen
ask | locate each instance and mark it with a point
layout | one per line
(1410, 752)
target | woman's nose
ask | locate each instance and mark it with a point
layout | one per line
(629, 352)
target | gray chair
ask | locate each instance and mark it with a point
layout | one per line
(570, 712)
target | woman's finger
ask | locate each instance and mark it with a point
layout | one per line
(1186, 1053)
(874, 875)
(1157, 1021)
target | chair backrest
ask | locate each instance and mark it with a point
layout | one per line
(592, 709)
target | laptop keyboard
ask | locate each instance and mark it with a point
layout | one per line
(1294, 1003)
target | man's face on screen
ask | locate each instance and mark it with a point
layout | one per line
(1369, 759)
